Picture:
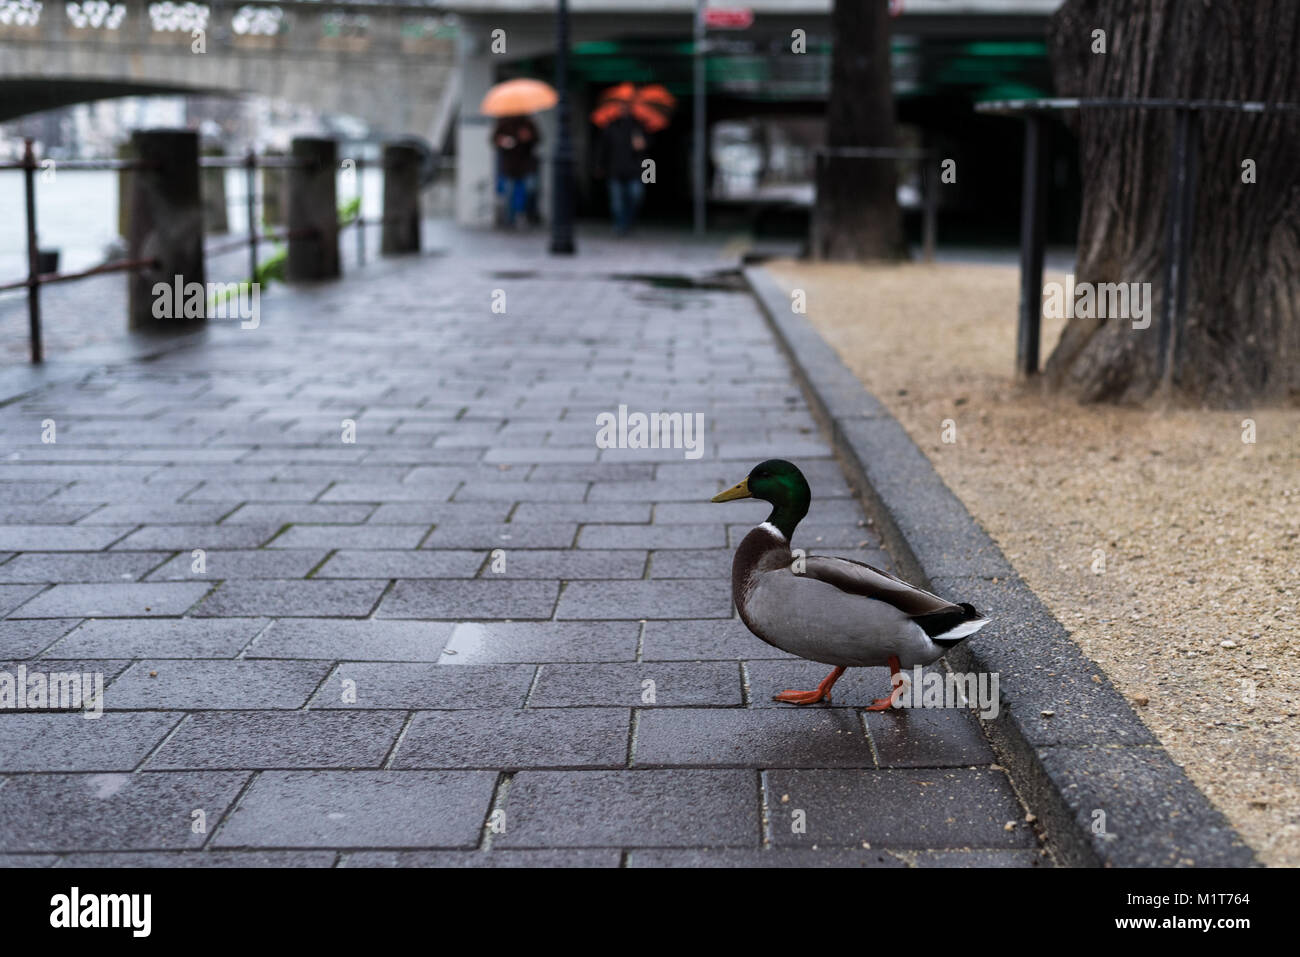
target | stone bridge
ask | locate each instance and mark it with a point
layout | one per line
(389, 64)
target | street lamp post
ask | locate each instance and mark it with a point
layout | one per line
(562, 163)
(700, 169)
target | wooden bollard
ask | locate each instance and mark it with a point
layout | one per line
(313, 211)
(166, 225)
(401, 230)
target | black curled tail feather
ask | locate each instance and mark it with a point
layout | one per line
(940, 622)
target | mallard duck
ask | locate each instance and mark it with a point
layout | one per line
(833, 610)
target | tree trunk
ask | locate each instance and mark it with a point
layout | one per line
(856, 213)
(1241, 338)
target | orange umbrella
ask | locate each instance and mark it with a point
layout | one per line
(517, 98)
(652, 105)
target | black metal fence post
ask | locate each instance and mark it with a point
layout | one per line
(33, 254)
(562, 242)
(1032, 219)
(250, 197)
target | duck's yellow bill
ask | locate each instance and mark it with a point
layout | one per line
(736, 491)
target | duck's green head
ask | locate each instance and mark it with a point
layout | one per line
(779, 482)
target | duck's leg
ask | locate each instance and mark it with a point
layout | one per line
(884, 704)
(812, 697)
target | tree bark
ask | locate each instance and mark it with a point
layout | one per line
(1241, 338)
(856, 213)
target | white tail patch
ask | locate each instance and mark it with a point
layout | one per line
(964, 630)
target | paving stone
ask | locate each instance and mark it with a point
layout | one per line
(930, 808)
(350, 598)
(645, 599)
(514, 738)
(676, 685)
(592, 472)
(978, 858)
(391, 492)
(928, 738)
(470, 599)
(732, 738)
(43, 514)
(159, 513)
(47, 741)
(408, 563)
(167, 859)
(14, 596)
(440, 513)
(511, 535)
(60, 538)
(710, 639)
(699, 564)
(405, 686)
(359, 809)
(157, 638)
(522, 491)
(114, 601)
(564, 857)
(80, 566)
(251, 563)
(347, 640)
(278, 514)
(588, 513)
(685, 491)
(28, 638)
(287, 739)
(110, 812)
(215, 684)
(566, 564)
(350, 536)
(161, 492)
(189, 537)
(652, 536)
(767, 857)
(474, 643)
(110, 668)
(631, 808)
(710, 513)
(256, 492)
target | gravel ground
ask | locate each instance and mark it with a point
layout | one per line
(1163, 541)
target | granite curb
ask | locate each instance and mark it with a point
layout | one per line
(1072, 742)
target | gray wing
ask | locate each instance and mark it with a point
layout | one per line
(859, 578)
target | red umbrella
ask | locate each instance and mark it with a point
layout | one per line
(651, 105)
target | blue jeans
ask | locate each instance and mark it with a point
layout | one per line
(517, 193)
(624, 202)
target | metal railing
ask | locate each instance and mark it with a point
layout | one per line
(30, 165)
(35, 278)
(1181, 199)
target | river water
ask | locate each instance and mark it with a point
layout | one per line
(76, 213)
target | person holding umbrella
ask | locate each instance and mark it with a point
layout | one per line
(515, 138)
(626, 116)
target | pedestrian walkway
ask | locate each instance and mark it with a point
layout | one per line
(364, 590)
